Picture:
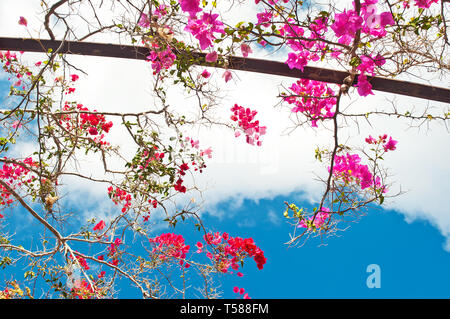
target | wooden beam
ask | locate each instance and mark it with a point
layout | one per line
(417, 90)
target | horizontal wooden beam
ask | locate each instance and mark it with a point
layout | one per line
(417, 90)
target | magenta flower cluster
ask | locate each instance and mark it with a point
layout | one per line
(348, 167)
(204, 29)
(369, 22)
(313, 98)
(170, 245)
(15, 175)
(161, 58)
(229, 252)
(306, 49)
(317, 220)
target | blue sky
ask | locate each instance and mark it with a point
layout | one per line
(411, 259)
(412, 262)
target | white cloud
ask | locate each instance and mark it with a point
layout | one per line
(274, 217)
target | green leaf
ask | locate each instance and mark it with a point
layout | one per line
(355, 61)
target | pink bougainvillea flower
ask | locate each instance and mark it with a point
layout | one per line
(144, 21)
(211, 57)
(379, 60)
(74, 77)
(371, 140)
(205, 74)
(213, 23)
(160, 11)
(241, 291)
(319, 26)
(23, 21)
(17, 124)
(264, 18)
(318, 107)
(207, 152)
(204, 28)
(246, 50)
(349, 169)
(424, 4)
(190, 6)
(297, 60)
(345, 39)
(99, 226)
(347, 22)
(367, 64)
(93, 131)
(386, 19)
(227, 75)
(318, 220)
(364, 87)
(199, 246)
(391, 145)
(195, 144)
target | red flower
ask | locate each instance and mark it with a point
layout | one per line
(391, 145)
(23, 21)
(100, 225)
(107, 126)
(205, 74)
(93, 130)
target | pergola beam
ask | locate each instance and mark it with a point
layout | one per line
(236, 63)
